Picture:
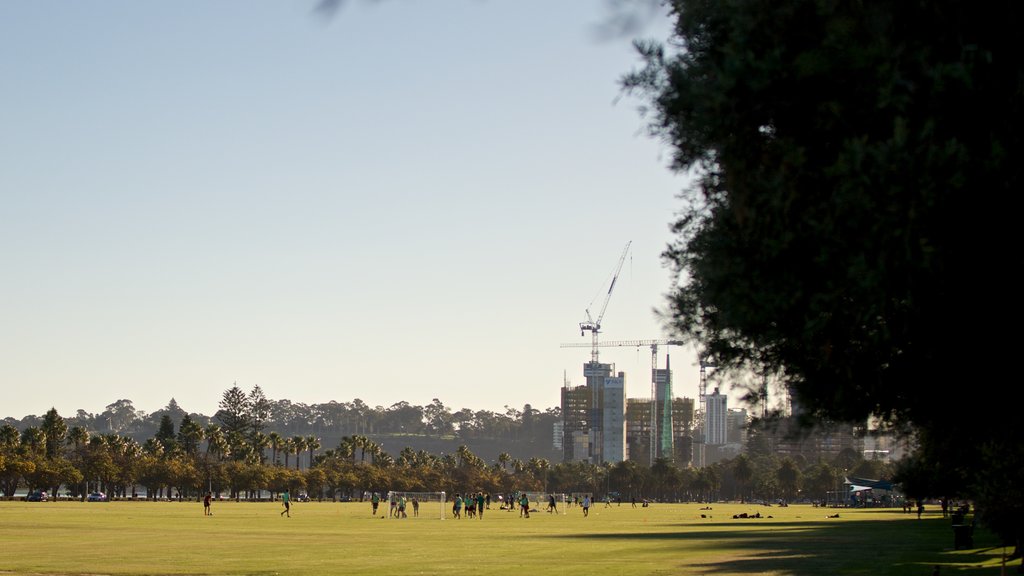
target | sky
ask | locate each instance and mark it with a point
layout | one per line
(401, 201)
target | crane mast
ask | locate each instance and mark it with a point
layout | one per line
(594, 326)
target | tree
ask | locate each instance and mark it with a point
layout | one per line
(743, 471)
(233, 412)
(276, 443)
(165, 435)
(298, 445)
(789, 478)
(854, 164)
(438, 418)
(55, 429)
(312, 445)
(119, 416)
(190, 435)
(258, 411)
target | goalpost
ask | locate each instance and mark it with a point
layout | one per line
(539, 501)
(419, 503)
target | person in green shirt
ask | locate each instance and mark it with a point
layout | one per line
(286, 500)
(457, 506)
(524, 505)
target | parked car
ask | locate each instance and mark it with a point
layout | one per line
(37, 496)
(97, 497)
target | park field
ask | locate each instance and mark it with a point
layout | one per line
(142, 538)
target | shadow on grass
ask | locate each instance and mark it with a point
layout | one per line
(834, 546)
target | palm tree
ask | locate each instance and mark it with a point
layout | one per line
(260, 442)
(407, 457)
(276, 442)
(190, 435)
(286, 448)
(312, 444)
(347, 448)
(362, 443)
(77, 437)
(298, 446)
(34, 439)
(216, 443)
(504, 458)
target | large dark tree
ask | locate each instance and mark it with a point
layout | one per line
(857, 170)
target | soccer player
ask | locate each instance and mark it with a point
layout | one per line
(286, 500)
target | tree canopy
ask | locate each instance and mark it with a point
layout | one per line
(856, 169)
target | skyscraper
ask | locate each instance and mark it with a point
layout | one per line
(716, 414)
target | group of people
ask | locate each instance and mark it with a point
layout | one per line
(473, 503)
(397, 505)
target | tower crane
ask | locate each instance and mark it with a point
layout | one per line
(594, 326)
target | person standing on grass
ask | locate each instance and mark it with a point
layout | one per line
(480, 505)
(457, 506)
(524, 505)
(286, 499)
(375, 502)
(415, 507)
(206, 505)
(586, 505)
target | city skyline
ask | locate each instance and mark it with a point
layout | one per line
(399, 202)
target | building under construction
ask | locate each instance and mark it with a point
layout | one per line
(639, 431)
(600, 425)
(594, 416)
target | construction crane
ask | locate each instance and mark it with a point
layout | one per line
(594, 326)
(654, 381)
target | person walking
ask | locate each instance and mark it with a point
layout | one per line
(206, 505)
(286, 499)
(375, 502)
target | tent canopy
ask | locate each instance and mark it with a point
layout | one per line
(861, 484)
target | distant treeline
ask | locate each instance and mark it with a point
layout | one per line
(437, 428)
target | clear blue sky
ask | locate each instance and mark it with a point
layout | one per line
(407, 200)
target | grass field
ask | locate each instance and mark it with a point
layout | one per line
(331, 538)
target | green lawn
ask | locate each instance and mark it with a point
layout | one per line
(328, 538)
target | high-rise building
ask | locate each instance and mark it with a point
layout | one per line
(736, 426)
(575, 423)
(613, 419)
(594, 416)
(716, 411)
(663, 412)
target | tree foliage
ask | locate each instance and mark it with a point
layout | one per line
(857, 175)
